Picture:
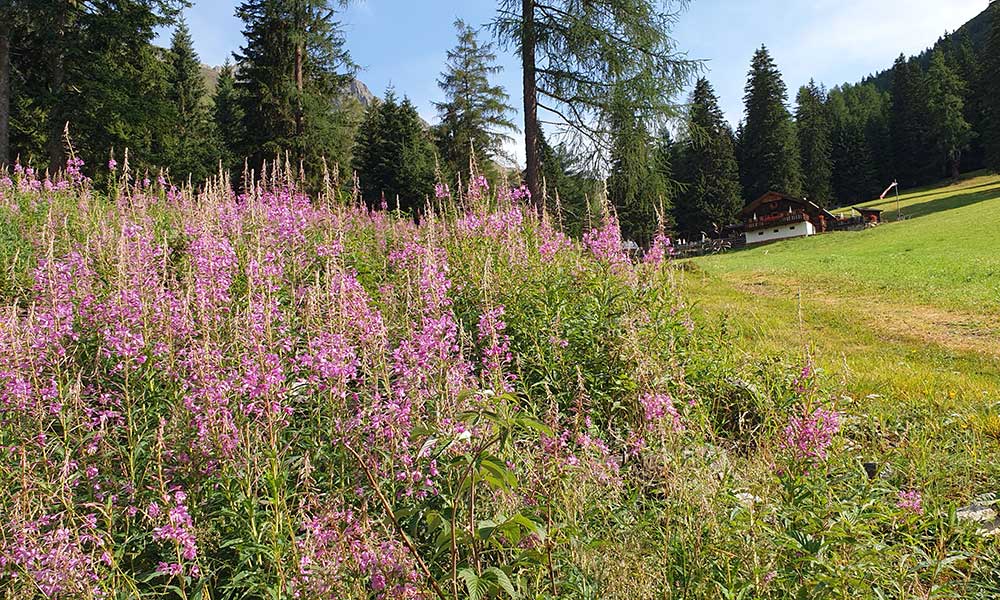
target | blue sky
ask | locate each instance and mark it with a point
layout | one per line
(403, 42)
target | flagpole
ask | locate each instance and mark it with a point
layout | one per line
(895, 183)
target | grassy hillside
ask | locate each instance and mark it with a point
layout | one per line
(904, 305)
(903, 318)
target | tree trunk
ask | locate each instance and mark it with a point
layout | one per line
(532, 174)
(955, 163)
(4, 90)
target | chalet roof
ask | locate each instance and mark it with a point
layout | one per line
(810, 207)
(865, 209)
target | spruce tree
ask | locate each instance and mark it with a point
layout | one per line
(574, 54)
(227, 118)
(990, 77)
(949, 130)
(813, 126)
(708, 168)
(190, 146)
(966, 64)
(293, 69)
(770, 153)
(394, 156)
(92, 65)
(476, 115)
(915, 160)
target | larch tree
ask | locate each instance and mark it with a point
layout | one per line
(813, 127)
(712, 196)
(769, 148)
(475, 117)
(575, 54)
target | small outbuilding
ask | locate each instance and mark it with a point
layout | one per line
(777, 216)
(869, 215)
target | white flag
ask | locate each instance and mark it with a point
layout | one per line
(882, 197)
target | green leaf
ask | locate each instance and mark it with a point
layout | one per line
(496, 473)
(529, 422)
(502, 581)
(476, 586)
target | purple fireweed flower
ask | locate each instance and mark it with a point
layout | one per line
(808, 437)
(910, 501)
(660, 250)
(659, 409)
(605, 243)
(496, 348)
(178, 528)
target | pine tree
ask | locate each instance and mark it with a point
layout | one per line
(190, 144)
(990, 77)
(813, 126)
(574, 54)
(949, 130)
(476, 115)
(293, 69)
(912, 145)
(227, 117)
(394, 156)
(712, 198)
(770, 153)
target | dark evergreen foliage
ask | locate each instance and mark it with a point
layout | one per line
(293, 70)
(90, 65)
(915, 161)
(476, 115)
(989, 82)
(190, 146)
(813, 126)
(636, 186)
(707, 167)
(394, 156)
(227, 118)
(949, 130)
(769, 148)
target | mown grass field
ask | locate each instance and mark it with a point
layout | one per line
(903, 319)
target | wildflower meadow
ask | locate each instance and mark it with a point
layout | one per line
(211, 394)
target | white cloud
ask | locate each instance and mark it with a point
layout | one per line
(873, 32)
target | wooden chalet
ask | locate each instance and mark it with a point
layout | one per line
(776, 216)
(869, 215)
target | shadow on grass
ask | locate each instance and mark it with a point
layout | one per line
(930, 207)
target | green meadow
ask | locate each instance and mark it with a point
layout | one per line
(902, 319)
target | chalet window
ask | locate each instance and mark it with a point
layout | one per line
(792, 228)
(776, 230)
(760, 233)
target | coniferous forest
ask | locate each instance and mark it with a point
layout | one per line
(89, 74)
